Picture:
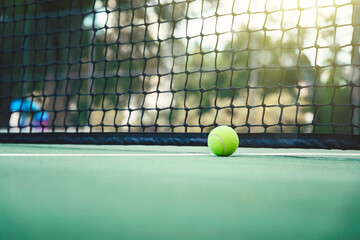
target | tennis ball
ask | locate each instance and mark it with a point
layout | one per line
(223, 141)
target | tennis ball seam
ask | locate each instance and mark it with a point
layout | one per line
(222, 141)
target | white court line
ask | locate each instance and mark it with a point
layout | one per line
(168, 154)
(301, 154)
(98, 154)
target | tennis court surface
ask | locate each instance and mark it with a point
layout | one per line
(167, 192)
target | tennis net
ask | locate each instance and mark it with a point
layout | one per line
(281, 73)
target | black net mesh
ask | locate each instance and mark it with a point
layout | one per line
(179, 66)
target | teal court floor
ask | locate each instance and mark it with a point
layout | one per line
(167, 192)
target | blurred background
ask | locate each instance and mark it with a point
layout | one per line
(182, 66)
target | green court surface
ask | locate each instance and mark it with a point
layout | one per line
(163, 192)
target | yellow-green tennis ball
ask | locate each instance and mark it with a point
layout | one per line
(223, 141)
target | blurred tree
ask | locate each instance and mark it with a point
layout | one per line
(35, 61)
(253, 69)
(134, 63)
(332, 95)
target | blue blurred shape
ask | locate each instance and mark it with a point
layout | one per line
(25, 105)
